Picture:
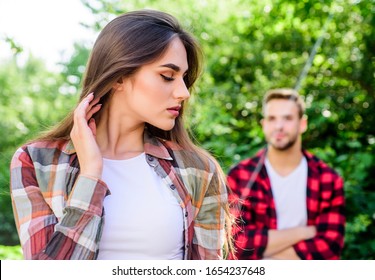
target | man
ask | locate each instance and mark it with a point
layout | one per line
(291, 203)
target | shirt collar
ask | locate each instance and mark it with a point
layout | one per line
(152, 146)
(68, 148)
(311, 159)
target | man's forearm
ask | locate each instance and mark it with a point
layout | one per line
(280, 240)
(287, 254)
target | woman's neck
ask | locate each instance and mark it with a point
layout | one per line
(119, 137)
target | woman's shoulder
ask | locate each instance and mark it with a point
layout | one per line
(61, 145)
(193, 157)
(200, 169)
(40, 149)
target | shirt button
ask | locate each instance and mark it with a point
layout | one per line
(173, 187)
(151, 161)
(186, 214)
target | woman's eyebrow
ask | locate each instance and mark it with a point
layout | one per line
(172, 66)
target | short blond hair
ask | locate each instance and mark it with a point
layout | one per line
(285, 94)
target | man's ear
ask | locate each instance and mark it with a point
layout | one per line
(303, 124)
(263, 124)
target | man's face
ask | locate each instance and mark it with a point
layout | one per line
(282, 125)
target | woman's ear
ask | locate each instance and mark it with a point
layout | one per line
(118, 85)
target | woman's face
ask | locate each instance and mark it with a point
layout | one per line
(155, 93)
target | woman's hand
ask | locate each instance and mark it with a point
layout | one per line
(83, 135)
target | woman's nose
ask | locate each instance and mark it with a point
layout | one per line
(181, 91)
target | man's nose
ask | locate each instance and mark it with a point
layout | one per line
(279, 123)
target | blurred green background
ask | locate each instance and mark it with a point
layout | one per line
(250, 46)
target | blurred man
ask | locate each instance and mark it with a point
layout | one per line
(291, 202)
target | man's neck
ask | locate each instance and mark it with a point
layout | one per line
(284, 162)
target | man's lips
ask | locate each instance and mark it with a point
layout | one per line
(279, 135)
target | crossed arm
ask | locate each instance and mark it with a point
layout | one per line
(323, 238)
(280, 242)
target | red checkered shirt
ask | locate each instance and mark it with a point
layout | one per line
(325, 209)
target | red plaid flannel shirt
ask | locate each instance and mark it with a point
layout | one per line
(325, 210)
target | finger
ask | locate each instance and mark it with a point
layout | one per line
(93, 110)
(80, 111)
(91, 105)
(83, 107)
(94, 102)
(85, 101)
(88, 97)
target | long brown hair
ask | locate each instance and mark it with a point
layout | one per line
(123, 46)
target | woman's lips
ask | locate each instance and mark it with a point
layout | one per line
(175, 111)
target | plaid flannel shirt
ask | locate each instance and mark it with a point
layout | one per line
(59, 213)
(325, 210)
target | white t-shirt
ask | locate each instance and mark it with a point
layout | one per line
(289, 194)
(143, 219)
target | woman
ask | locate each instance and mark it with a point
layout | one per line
(119, 177)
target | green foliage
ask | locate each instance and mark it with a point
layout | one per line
(11, 252)
(32, 100)
(14, 46)
(250, 46)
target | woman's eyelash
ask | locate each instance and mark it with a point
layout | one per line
(167, 78)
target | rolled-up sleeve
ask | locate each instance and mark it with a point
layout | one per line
(330, 224)
(44, 236)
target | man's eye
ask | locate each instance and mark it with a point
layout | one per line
(167, 78)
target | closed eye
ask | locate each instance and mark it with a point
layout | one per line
(168, 79)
